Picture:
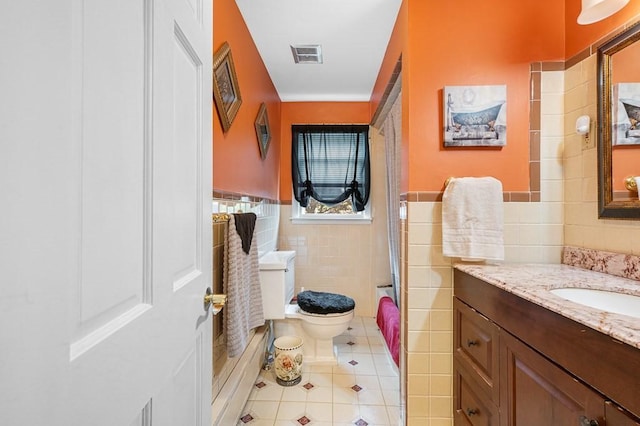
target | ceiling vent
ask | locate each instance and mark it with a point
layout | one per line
(307, 53)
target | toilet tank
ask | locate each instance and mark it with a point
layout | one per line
(277, 282)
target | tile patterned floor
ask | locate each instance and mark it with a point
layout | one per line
(362, 390)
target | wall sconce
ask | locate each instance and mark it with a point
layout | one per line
(597, 10)
(582, 125)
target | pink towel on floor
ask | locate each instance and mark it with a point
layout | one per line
(388, 320)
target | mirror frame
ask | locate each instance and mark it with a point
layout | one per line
(607, 206)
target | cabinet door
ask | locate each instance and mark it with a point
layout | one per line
(533, 391)
(616, 416)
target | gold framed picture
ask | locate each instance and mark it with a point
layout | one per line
(226, 91)
(263, 131)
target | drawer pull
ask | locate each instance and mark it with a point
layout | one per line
(472, 411)
(583, 421)
(472, 343)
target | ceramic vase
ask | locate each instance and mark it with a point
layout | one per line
(288, 360)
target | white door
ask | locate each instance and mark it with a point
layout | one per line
(105, 186)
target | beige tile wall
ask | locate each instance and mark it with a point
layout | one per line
(582, 226)
(533, 233)
(266, 232)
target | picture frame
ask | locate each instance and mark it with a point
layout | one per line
(475, 116)
(226, 90)
(625, 114)
(263, 131)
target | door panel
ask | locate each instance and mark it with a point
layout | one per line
(181, 402)
(534, 391)
(107, 234)
(154, 341)
(110, 120)
(186, 147)
(196, 7)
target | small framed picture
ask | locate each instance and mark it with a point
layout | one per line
(263, 131)
(475, 116)
(226, 92)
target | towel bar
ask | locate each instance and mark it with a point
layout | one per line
(449, 179)
(220, 217)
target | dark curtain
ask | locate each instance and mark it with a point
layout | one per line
(331, 164)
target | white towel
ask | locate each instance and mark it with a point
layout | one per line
(472, 219)
(241, 278)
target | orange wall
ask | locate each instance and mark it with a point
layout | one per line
(578, 37)
(467, 43)
(442, 43)
(313, 113)
(237, 166)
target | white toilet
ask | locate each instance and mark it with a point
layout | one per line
(277, 279)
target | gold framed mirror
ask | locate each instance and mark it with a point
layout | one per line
(619, 125)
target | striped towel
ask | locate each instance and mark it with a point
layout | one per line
(243, 311)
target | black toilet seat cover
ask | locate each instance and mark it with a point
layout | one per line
(318, 302)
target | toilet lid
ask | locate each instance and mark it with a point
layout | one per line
(318, 302)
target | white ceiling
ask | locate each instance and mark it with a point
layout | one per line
(353, 33)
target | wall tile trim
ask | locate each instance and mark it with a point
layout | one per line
(235, 196)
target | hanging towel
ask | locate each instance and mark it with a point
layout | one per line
(472, 219)
(243, 311)
(245, 223)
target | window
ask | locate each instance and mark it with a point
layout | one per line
(330, 171)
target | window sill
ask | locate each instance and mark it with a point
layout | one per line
(331, 221)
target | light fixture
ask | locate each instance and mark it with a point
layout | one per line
(597, 10)
(582, 125)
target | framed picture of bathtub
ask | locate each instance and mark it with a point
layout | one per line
(625, 114)
(475, 116)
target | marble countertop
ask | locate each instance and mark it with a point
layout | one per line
(532, 282)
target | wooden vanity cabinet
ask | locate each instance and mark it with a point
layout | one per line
(518, 364)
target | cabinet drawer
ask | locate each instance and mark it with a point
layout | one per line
(476, 346)
(616, 416)
(472, 405)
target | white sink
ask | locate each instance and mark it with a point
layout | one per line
(609, 301)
